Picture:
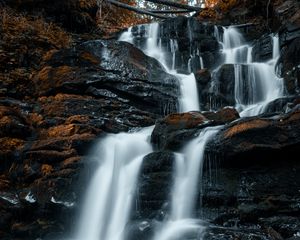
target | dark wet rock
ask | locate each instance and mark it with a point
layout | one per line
(203, 77)
(262, 49)
(289, 64)
(140, 230)
(282, 105)
(288, 15)
(223, 116)
(155, 182)
(172, 131)
(287, 226)
(13, 123)
(223, 233)
(276, 135)
(110, 68)
(219, 92)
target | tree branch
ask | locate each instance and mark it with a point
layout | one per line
(175, 4)
(170, 11)
(134, 9)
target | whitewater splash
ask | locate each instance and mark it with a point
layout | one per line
(112, 190)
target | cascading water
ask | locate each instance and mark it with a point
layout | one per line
(112, 189)
(256, 84)
(189, 100)
(189, 162)
(111, 192)
(189, 166)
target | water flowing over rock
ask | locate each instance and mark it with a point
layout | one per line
(220, 162)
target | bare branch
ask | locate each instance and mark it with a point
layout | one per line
(175, 4)
(170, 11)
(134, 9)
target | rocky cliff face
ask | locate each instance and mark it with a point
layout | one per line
(57, 97)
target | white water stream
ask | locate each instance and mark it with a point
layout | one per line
(256, 84)
(112, 190)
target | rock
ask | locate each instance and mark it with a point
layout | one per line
(97, 114)
(13, 123)
(277, 134)
(128, 74)
(223, 233)
(288, 16)
(282, 105)
(172, 131)
(223, 116)
(287, 226)
(262, 49)
(11, 149)
(139, 230)
(155, 182)
(289, 63)
(203, 77)
(220, 91)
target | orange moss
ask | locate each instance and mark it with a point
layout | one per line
(242, 127)
(190, 119)
(11, 144)
(78, 119)
(14, 24)
(46, 169)
(62, 131)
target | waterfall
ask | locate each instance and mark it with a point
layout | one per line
(256, 84)
(189, 99)
(189, 164)
(111, 191)
(119, 157)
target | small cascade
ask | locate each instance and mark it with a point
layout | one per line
(189, 164)
(112, 189)
(189, 100)
(256, 84)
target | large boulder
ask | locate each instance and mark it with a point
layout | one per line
(173, 131)
(110, 69)
(258, 138)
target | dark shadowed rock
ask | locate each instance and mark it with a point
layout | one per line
(289, 64)
(155, 182)
(262, 49)
(258, 136)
